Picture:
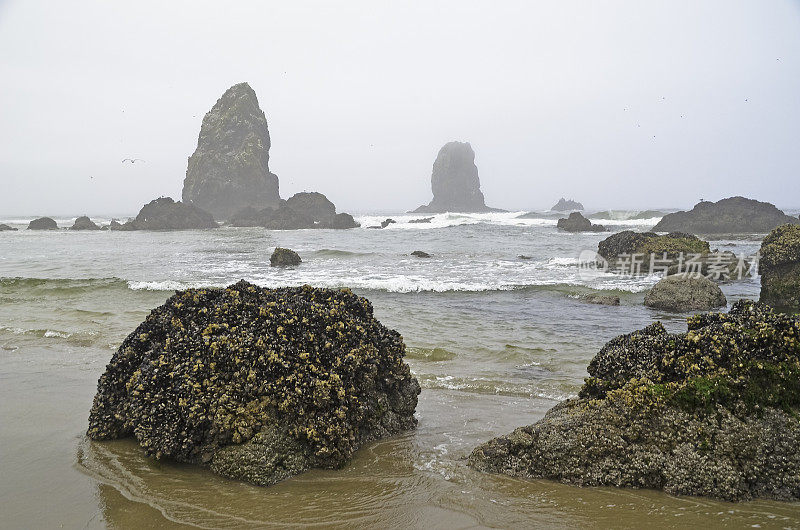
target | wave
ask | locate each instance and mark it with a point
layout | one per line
(430, 354)
(60, 284)
(334, 253)
(483, 385)
(81, 338)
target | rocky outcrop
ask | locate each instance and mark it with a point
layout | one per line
(630, 242)
(115, 225)
(6, 228)
(566, 205)
(685, 292)
(229, 170)
(84, 223)
(284, 257)
(454, 181)
(420, 254)
(258, 384)
(166, 214)
(43, 223)
(578, 223)
(735, 215)
(779, 266)
(710, 412)
(302, 210)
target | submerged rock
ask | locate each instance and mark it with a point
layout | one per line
(578, 223)
(6, 228)
(566, 205)
(735, 215)
(710, 412)
(258, 384)
(229, 170)
(685, 292)
(420, 254)
(284, 257)
(779, 266)
(43, 223)
(84, 223)
(454, 181)
(601, 299)
(166, 214)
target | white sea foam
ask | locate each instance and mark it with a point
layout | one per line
(445, 220)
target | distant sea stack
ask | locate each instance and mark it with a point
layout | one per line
(229, 170)
(735, 215)
(455, 183)
(566, 205)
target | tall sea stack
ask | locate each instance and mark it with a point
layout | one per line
(454, 181)
(229, 170)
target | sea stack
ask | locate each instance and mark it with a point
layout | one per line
(734, 215)
(229, 170)
(454, 181)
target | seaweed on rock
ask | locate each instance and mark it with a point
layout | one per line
(260, 384)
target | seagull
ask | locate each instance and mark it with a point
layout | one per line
(132, 160)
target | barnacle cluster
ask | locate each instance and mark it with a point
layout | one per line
(299, 377)
(713, 412)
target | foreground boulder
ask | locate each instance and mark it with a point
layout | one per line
(629, 242)
(780, 268)
(43, 223)
(710, 412)
(454, 182)
(566, 205)
(578, 223)
(258, 384)
(229, 170)
(685, 292)
(300, 211)
(735, 215)
(6, 228)
(166, 214)
(84, 223)
(284, 257)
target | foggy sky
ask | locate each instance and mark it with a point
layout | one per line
(624, 104)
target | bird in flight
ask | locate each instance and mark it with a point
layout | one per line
(132, 160)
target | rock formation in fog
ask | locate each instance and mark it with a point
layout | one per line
(566, 205)
(734, 215)
(301, 210)
(229, 170)
(166, 214)
(454, 181)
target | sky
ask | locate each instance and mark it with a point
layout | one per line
(618, 104)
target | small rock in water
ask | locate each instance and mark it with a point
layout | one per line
(420, 254)
(576, 222)
(523, 256)
(685, 292)
(387, 222)
(284, 257)
(43, 223)
(84, 223)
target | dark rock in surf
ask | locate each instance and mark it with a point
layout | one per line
(735, 215)
(84, 223)
(422, 220)
(258, 384)
(43, 223)
(685, 292)
(284, 257)
(387, 222)
(229, 170)
(420, 254)
(166, 214)
(779, 267)
(454, 181)
(566, 205)
(711, 412)
(6, 228)
(578, 223)
(301, 211)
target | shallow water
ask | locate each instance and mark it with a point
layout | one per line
(494, 340)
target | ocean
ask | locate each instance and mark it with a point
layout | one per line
(495, 340)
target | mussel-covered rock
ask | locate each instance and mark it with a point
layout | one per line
(780, 268)
(43, 223)
(258, 384)
(685, 292)
(284, 257)
(710, 412)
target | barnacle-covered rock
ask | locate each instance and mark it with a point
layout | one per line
(258, 384)
(780, 268)
(710, 412)
(284, 257)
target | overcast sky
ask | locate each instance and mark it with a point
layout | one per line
(624, 104)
